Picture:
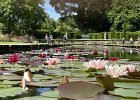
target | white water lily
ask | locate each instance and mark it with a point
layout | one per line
(89, 64)
(130, 68)
(116, 70)
(98, 64)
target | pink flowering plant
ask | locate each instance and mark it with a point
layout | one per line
(98, 64)
(52, 61)
(14, 58)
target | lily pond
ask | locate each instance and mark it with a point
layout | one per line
(84, 72)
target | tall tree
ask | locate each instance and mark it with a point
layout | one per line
(24, 15)
(125, 15)
(89, 14)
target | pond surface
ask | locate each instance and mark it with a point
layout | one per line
(47, 77)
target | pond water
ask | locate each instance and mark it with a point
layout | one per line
(71, 68)
(133, 54)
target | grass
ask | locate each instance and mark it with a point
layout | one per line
(18, 43)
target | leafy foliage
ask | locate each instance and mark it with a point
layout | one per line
(89, 14)
(125, 15)
(21, 15)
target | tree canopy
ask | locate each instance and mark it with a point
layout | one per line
(125, 15)
(77, 16)
(21, 15)
(90, 15)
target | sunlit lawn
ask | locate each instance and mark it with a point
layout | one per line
(18, 43)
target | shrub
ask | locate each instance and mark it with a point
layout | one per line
(14, 38)
(115, 35)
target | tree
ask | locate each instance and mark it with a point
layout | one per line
(48, 25)
(124, 15)
(67, 25)
(17, 15)
(90, 15)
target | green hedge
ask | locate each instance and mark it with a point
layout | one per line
(115, 35)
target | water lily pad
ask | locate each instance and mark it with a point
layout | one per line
(5, 86)
(135, 74)
(10, 77)
(58, 80)
(125, 80)
(7, 82)
(5, 71)
(74, 90)
(10, 65)
(131, 77)
(127, 93)
(41, 77)
(51, 94)
(12, 91)
(32, 62)
(91, 70)
(46, 84)
(57, 72)
(36, 98)
(126, 99)
(101, 96)
(128, 85)
(80, 75)
(73, 64)
(105, 81)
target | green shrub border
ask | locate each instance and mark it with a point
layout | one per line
(115, 35)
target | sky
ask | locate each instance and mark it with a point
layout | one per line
(50, 10)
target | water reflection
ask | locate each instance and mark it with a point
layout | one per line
(38, 91)
(131, 50)
(119, 52)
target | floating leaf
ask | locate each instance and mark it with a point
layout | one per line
(10, 77)
(91, 70)
(75, 90)
(105, 81)
(101, 96)
(127, 99)
(57, 72)
(127, 93)
(32, 62)
(131, 77)
(42, 84)
(7, 82)
(41, 77)
(51, 94)
(36, 98)
(12, 91)
(5, 86)
(135, 74)
(128, 85)
(125, 80)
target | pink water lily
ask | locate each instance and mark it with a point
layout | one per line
(105, 51)
(66, 55)
(14, 58)
(42, 55)
(1, 61)
(98, 64)
(52, 61)
(116, 70)
(130, 68)
(58, 49)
